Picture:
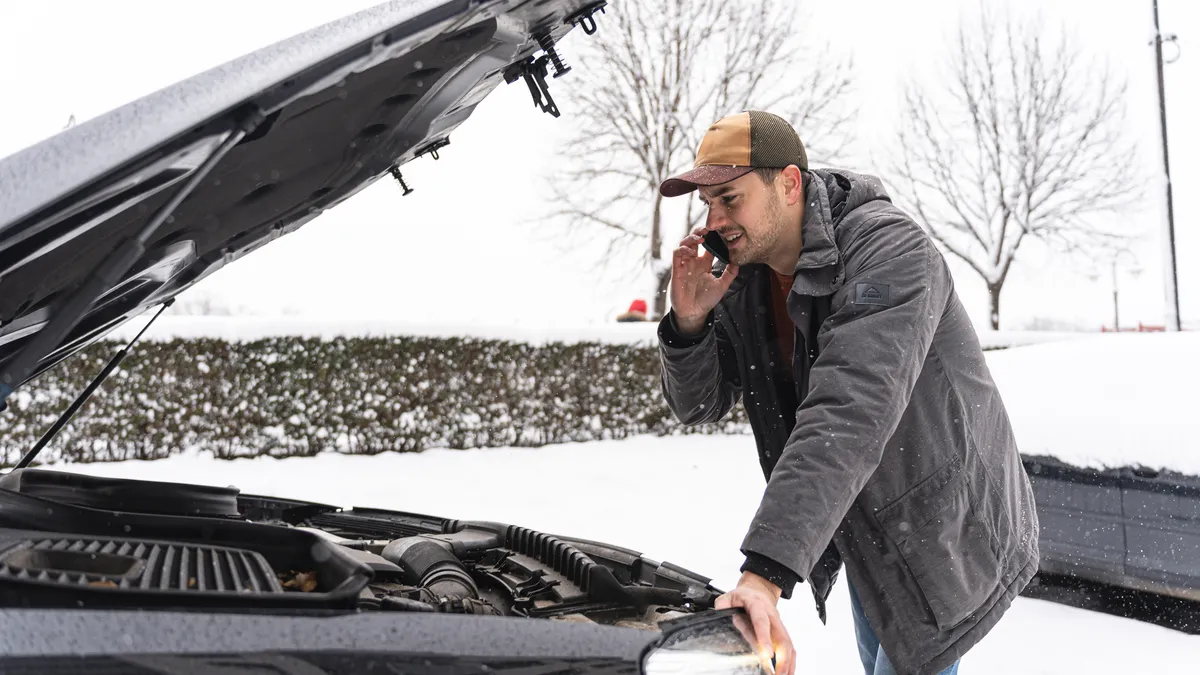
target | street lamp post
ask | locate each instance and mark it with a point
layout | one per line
(1134, 269)
(1116, 303)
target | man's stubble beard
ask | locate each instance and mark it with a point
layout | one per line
(760, 247)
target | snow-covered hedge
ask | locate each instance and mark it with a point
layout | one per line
(294, 396)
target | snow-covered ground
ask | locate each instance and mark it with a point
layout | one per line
(683, 499)
(1109, 400)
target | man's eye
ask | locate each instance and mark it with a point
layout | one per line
(728, 201)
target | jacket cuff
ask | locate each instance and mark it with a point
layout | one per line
(670, 335)
(772, 571)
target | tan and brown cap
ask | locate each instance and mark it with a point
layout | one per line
(737, 145)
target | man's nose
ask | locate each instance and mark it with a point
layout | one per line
(716, 218)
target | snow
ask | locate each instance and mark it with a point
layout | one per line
(245, 328)
(1092, 400)
(1003, 339)
(694, 513)
(1106, 401)
(250, 328)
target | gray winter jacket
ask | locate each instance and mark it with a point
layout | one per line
(888, 447)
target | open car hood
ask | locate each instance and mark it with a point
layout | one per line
(259, 146)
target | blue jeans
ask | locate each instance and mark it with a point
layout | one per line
(874, 660)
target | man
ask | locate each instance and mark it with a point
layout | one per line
(884, 441)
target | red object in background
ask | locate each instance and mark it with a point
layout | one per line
(1141, 328)
(636, 312)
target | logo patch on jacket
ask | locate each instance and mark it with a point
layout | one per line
(873, 294)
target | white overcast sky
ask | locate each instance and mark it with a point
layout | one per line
(462, 247)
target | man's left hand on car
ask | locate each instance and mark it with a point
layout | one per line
(759, 599)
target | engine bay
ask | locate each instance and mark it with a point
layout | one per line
(76, 541)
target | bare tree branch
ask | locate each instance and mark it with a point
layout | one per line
(1024, 143)
(649, 84)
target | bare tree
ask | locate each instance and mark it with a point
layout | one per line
(1022, 141)
(657, 74)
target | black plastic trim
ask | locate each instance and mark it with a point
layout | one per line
(120, 494)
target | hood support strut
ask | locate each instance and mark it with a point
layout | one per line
(109, 272)
(87, 392)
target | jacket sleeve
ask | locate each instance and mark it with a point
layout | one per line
(780, 575)
(699, 373)
(872, 349)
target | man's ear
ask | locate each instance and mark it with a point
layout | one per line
(792, 181)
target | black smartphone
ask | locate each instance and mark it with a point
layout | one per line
(714, 244)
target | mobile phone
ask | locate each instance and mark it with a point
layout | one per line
(714, 244)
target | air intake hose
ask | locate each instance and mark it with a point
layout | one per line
(428, 564)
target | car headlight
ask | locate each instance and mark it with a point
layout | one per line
(711, 643)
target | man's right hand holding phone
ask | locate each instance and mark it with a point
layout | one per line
(694, 289)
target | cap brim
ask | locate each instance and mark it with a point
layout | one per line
(701, 176)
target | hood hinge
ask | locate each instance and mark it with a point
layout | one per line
(534, 73)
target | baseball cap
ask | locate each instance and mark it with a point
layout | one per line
(736, 145)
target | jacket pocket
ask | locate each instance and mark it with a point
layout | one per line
(949, 550)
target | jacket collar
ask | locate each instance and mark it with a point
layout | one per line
(819, 271)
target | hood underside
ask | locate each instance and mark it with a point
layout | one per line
(324, 114)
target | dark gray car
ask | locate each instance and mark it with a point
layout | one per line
(122, 213)
(1129, 527)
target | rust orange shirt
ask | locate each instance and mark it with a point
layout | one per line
(785, 330)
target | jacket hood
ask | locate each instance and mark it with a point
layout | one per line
(235, 157)
(831, 196)
(848, 190)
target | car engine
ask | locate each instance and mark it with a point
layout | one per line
(70, 540)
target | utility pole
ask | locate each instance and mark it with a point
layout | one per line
(1172, 275)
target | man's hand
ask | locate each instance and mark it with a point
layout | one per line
(758, 598)
(694, 290)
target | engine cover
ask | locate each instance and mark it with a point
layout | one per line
(150, 566)
(54, 553)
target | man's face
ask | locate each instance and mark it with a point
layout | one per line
(749, 216)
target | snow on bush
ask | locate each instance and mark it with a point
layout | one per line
(293, 396)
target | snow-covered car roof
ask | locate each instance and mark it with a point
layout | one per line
(1106, 401)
